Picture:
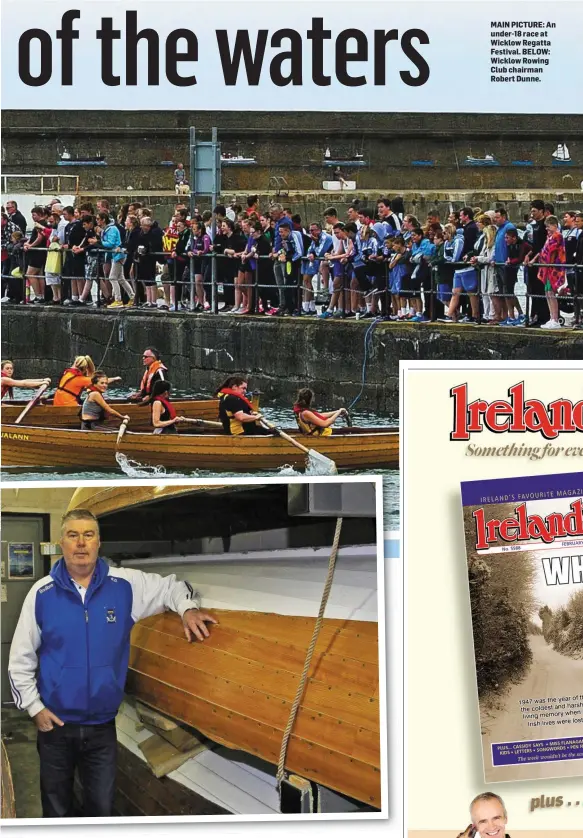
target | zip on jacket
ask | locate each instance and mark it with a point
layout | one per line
(72, 656)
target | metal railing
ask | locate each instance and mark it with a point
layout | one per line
(49, 184)
(234, 275)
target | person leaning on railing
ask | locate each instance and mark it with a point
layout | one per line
(149, 245)
(483, 258)
(130, 243)
(517, 249)
(261, 266)
(111, 243)
(35, 250)
(553, 276)
(537, 236)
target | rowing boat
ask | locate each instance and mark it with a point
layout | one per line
(350, 448)
(47, 415)
(237, 687)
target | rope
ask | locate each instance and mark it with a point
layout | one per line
(115, 323)
(309, 654)
(367, 349)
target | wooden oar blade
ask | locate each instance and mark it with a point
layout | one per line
(122, 430)
(316, 463)
(31, 403)
(319, 464)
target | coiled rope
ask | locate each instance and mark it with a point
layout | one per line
(309, 654)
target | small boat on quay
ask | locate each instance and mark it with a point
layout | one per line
(350, 448)
(487, 160)
(47, 415)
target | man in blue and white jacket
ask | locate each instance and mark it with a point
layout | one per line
(69, 660)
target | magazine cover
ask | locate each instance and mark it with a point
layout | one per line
(524, 541)
(494, 588)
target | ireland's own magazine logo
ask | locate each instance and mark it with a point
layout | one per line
(516, 415)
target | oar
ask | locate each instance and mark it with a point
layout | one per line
(203, 423)
(348, 419)
(323, 463)
(32, 403)
(122, 429)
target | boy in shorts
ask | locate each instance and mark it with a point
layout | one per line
(517, 251)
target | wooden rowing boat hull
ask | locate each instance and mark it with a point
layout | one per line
(238, 687)
(27, 446)
(48, 416)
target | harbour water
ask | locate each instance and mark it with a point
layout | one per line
(125, 469)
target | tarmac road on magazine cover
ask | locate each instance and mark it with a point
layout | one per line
(551, 675)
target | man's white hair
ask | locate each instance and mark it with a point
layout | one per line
(484, 797)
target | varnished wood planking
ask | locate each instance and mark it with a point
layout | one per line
(351, 706)
(343, 639)
(312, 724)
(339, 772)
(327, 667)
(280, 625)
(48, 416)
(30, 446)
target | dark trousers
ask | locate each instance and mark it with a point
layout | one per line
(290, 291)
(92, 750)
(538, 305)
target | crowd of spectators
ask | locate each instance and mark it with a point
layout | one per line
(377, 262)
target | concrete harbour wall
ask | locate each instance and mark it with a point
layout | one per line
(278, 354)
(400, 150)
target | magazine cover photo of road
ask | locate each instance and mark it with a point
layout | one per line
(527, 615)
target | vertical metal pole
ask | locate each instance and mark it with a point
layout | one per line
(192, 207)
(216, 170)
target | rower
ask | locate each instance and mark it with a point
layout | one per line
(164, 416)
(236, 411)
(95, 409)
(155, 371)
(310, 422)
(74, 380)
(9, 382)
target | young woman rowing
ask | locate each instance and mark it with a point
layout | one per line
(164, 416)
(9, 382)
(95, 409)
(310, 422)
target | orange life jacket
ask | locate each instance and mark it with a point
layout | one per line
(71, 385)
(149, 374)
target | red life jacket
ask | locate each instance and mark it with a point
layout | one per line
(307, 427)
(169, 409)
(226, 391)
(6, 390)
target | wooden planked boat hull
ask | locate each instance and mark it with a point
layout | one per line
(239, 685)
(351, 449)
(48, 416)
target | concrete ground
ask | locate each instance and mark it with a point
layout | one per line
(19, 735)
